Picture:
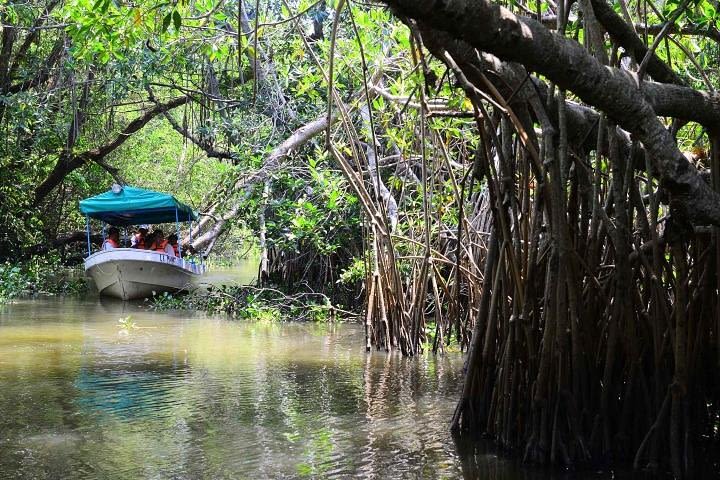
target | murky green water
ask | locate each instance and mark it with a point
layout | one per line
(190, 397)
(185, 397)
(243, 272)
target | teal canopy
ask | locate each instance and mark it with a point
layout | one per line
(135, 206)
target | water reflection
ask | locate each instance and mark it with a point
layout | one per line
(206, 398)
(186, 397)
(242, 272)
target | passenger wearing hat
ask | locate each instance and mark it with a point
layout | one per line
(138, 240)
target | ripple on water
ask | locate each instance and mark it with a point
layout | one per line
(196, 398)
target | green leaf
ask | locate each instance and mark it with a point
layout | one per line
(166, 22)
(177, 20)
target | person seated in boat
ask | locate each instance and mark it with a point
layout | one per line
(112, 240)
(149, 241)
(173, 241)
(138, 240)
(161, 245)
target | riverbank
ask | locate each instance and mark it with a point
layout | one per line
(251, 302)
(227, 289)
(44, 275)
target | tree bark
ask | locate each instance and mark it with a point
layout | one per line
(272, 164)
(625, 35)
(496, 30)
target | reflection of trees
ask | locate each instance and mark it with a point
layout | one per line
(407, 405)
(480, 460)
(283, 414)
(142, 389)
(216, 399)
(36, 395)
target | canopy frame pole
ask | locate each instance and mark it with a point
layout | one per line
(192, 262)
(177, 231)
(87, 229)
(202, 257)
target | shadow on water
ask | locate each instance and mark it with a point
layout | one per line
(481, 460)
(196, 397)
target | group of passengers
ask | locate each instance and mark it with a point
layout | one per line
(143, 240)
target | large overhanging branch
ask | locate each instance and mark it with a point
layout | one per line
(511, 79)
(275, 161)
(625, 35)
(185, 132)
(69, 161)
(271, 165)
(709, 31)
(496, 30)
(514, 83)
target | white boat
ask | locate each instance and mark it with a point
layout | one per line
(130, 273)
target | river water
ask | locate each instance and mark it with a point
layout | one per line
(188, 396)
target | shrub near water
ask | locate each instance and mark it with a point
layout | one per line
(252, 303)
(235, 301)
(45, 276)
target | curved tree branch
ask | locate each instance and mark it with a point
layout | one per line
(70, 161)
(496, 30)
(625, 35)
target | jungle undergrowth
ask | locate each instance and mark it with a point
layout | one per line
(38, 276)
(245, 302)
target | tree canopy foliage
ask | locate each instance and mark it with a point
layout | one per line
(536, 182)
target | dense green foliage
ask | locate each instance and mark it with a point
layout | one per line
(89, 74)
(117, 60)
(76, 83)
(455, 189)
(41, 275)
(250, 303)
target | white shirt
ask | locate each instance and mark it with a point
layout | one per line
(134, 240)
(169, 250)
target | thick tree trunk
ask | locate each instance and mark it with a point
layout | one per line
(612, 365)
(496, 30)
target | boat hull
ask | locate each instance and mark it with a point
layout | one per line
(128, 274)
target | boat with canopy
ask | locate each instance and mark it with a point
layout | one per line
(131, 273)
